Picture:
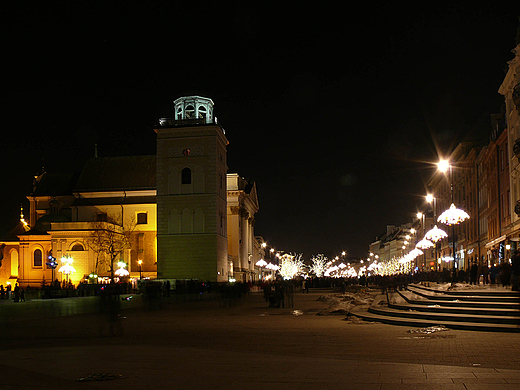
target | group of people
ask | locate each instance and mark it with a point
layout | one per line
(17, 294)
(279, 293)
(504, 273)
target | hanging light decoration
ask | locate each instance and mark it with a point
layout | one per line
(261, 263)
(424, 244)
(67, 267)
(415, 253)
(121, 271)
(435, 234)
(453, 216)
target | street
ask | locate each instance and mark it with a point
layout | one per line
(214, 345)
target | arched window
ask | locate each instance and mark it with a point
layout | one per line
(186, 176)
(202, 112)
(190, 112)
(77, 247)
(37, 258)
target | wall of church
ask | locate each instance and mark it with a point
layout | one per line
(32, 258)
(9, 267)
(144, 248)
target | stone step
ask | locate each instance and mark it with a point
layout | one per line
(398, 309)
(442, 296)
(498, 291)
(440, 308)
(416, 299)
(434, 316)
(419, 322)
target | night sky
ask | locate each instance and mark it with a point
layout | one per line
(336, 112)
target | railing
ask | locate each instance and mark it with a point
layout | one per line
(168, 122)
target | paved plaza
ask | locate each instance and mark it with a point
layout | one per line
(210, 344)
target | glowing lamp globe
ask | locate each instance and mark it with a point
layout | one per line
(435, 234)
(424, 244)
(453, 216)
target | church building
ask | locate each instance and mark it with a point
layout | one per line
(175, 215)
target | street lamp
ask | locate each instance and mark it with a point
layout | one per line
(140, 262)
(261, 264)
(67, 267)
(453, 216)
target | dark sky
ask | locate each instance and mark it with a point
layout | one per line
(334, 112)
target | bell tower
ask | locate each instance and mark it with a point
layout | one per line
(191, 193)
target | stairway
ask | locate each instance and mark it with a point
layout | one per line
(470, 309)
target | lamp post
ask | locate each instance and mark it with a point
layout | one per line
(261, 264)
(140, 262)
(421, 217)
(453, 216)
(67, 267)
(433, 201)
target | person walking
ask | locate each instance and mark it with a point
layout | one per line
(493, 272)
(473, 272)
(290, 293)
(515, 270)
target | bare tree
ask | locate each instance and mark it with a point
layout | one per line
(109, 239)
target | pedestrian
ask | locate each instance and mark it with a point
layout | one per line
(2, 292)
(485, 273)
(515, 270)
(22, 295)
(290, 294)
(16, 293)
(505, 274)
(279, 294)
(493, 272)
(267, 291)
(473, 272)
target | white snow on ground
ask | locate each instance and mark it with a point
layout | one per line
(341, 304)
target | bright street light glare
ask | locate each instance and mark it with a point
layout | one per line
(443, 165)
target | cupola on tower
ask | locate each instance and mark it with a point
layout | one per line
(191, 193)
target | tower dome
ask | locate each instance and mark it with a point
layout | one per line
(194, 108)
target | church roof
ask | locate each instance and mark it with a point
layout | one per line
(117, 173)
(13, 234)
(54, 184)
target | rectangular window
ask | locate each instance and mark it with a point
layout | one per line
(142, 218)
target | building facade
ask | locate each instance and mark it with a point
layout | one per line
(510, 89)
(191, 194)
(171, 210)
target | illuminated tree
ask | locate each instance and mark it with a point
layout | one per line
(290, 265)
(319, 265)
(109, 239)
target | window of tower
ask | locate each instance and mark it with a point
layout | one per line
(202, 112)
(190, 112)
(179, 113)
(186, 176)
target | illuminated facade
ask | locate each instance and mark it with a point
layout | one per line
(243, 249)
(510, 89)
(191, 194)
(173, 206)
